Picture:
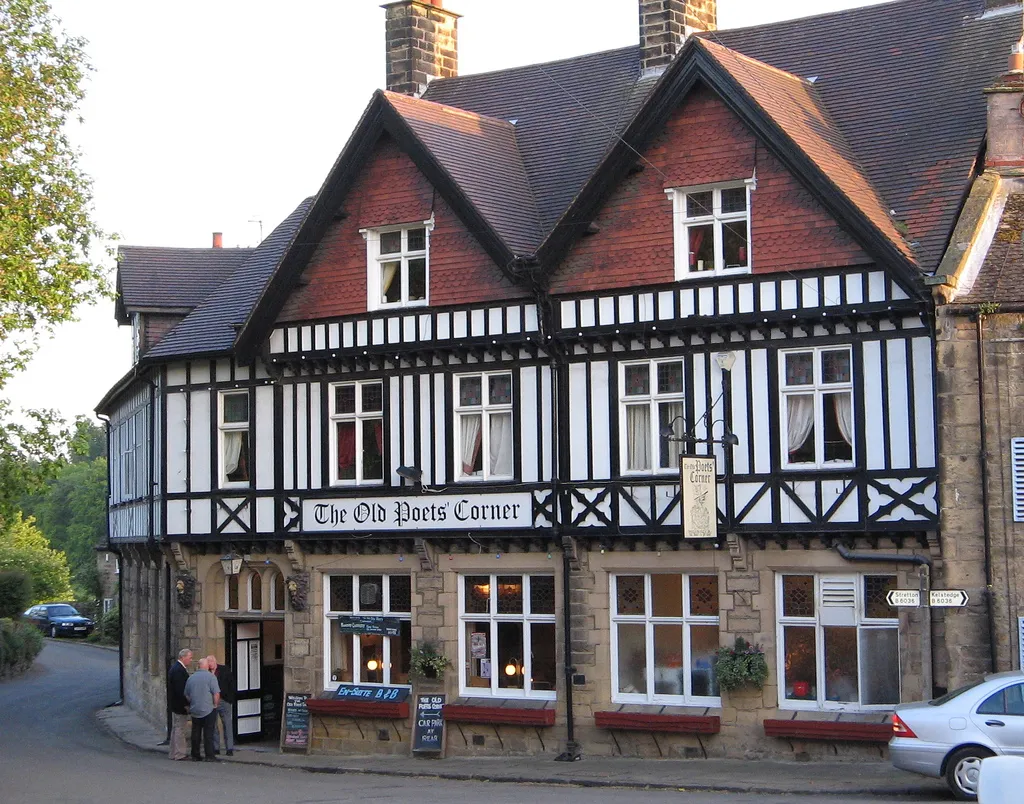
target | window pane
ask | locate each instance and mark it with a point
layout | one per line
(400, 593)
(345, 399)
(703, 644)
(841, 663)
(372, 398)
(638, 380)
(837, 418)
(876, 587)
(632, 658)
(670, 377)
(390, 242)
(799, 368)
(233, 592)
(667, 595)
(704, 595)
(734, 244)
(236, 457)
(880, 666)
(500, 389)
(278, 592)
(401, 647)
(500, 444)
(629, 593)
(702, 247)
(371, 593)
(698, 204)
(478, 594)
(471, 439)
(994, 704)
(470, 392)
(371, 658)
(391, 282)
(542, 655)
(236, 408)
(341, 593)
(510, 594)
(417, 279)
(638, 437)
(340, 660)
(510, 655)
(734, 200)
(835, 365)
(669, 417)
(478, 668)
(542, 594)
(346, 450)
(800, 428)
(668, 660)
(417, 239)
(800, 662)
(373, 436)
(798, 595)
(255, 592)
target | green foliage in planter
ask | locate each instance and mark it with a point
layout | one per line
(741, 664)
(427, 662)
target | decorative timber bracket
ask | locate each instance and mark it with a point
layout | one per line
(178, 554)
(294, 554)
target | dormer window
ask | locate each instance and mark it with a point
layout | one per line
(397, 266)
(712, 229)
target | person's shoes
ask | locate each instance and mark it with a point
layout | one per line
(231, 752)
(197, 759)
(212, 759)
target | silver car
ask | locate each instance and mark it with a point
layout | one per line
(951, 735)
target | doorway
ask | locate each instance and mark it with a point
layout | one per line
(256, 648)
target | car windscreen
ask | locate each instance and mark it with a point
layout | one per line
(949, 696)
(63, 611)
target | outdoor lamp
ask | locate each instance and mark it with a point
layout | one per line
(372, 665)
(231, 563)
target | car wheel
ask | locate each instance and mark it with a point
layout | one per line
(53, 631)
(962, 769)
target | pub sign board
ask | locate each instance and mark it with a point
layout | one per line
(370, 624)
(697, 480)
(428, 728)
(440, 512)
(295, 725)
(366, 692)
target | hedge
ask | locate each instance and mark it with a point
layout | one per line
(20, 643)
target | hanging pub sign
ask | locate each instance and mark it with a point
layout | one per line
(370, 624)
(699, 497)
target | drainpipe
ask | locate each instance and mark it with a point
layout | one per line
(120, 586)
(986, 531)
(924, 584)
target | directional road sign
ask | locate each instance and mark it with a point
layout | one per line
(954, 598)
(903, 597)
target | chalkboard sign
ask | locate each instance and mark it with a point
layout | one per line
(296, 721)
(428, 730)
(370, 624)
(357, 692)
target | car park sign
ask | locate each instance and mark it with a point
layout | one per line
(947, 598)
(903, 597)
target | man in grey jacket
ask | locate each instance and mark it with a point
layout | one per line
(203, 695)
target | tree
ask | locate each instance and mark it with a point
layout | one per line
(46, 226)
(23, 547)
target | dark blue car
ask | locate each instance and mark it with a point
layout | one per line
(59, 619)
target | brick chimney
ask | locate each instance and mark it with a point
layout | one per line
(664, 26)
(218, 240)
(1005, 135)
(422, 44)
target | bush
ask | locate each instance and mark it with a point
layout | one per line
(15, 592)
(741, 664)
(108, 627)
(20, 643)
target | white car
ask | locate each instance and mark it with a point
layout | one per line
(951, 735)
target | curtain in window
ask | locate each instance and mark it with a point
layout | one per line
(469, 433)
(232, 451)
(638, 437)
(844, 416)
(800, 419)
(388, 272)
(696, 234)
(501, 444)
(346, 446)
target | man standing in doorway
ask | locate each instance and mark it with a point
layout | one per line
(203, 696)
(177, 676)
(224, 712)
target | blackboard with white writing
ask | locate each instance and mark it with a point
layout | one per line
(428, 730)
(296, 722)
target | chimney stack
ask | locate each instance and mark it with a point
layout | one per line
(1005, 134)
(218, 240)
(664, 26)
(422, 44)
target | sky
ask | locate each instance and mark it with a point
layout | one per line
(207, 116)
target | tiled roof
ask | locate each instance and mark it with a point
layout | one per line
(171, 278)
(212, 326)
(999, 279)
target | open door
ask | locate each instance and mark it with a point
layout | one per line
(248, 655)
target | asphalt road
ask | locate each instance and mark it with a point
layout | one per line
(52, 749)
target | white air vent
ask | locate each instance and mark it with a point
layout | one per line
(838, 599)
(1017, 471)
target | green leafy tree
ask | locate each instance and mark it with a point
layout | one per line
(23, 546)
(47, 232)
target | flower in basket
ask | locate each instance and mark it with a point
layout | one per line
(427, 661)
(743, 663)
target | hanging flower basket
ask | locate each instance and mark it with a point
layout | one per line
(742, 664)
(427, 662)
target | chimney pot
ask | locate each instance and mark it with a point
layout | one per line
(218, 240)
